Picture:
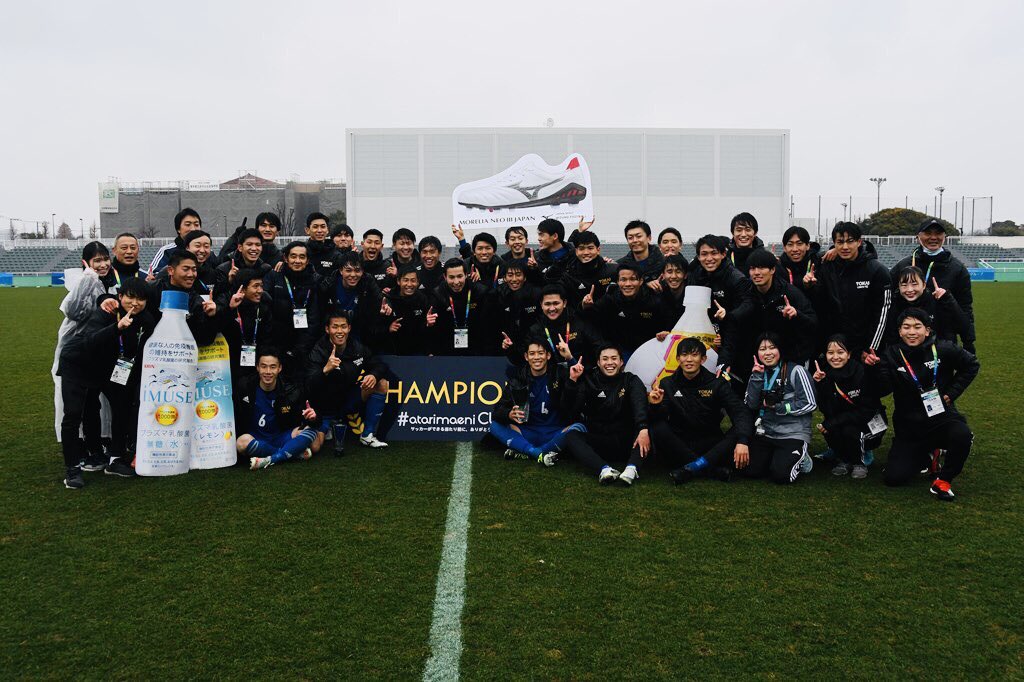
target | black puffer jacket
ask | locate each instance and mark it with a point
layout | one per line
(861, 390)
(615, 407)
(694, 407)
(738, 254)
(952, 275)
(857, 298)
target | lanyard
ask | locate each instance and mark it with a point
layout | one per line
(292, 296)
(843, 395)
(551, 342)
(120, 340)
(768, 383)
(928, 273)
(117, 278)
(935, 369)
(256, 327)
(451, 301)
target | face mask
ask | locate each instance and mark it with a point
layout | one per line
(936, 252)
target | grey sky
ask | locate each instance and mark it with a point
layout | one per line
(923, 93)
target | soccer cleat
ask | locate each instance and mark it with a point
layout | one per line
(119, 468)
(806, 463)
(371, 441)
(73, 478)
(841, 469)
(628, 475)
(529, 184)
(941, 490)
(681, 475)
(306, 455)
(859, 471)
(510, 454)
(256, 463)
(548, 459)
(94, 463)
(607, 475)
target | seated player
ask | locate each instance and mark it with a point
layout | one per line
(528, 417)
(102, 355)
(782, 397)
(342, 378)
(854, 417)
(686, 413)
(925, 377)
(630, 314)
(275, 419)
(249, 322)
(612, 405)
(405, 330)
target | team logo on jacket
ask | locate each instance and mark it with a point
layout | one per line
(864, 285)
(357, 362)
(622, 392)
(704, 392)
(285, 409)
(853, 392)
(678, 394)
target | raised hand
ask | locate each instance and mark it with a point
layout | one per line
(457, 231)
(576, 371)
(392, 269)
(233, 271)
(655, 395)
(720, 312)
(236, 298)
(818, 374)
(869, 357)
(531, 262)
(125, 321)
(809, 278)
(309, 414)
(474, 275)
(788, 311)
(385, 309)
(717, 342)
(506, 342)
(655, 284)
(109, 306)
(939, 291)
(661, 336)
(588, 300)
(333, 362)
(563, 348)
(585, 224)
(395, 325)
(431, 317)
(278, 266)
(758, 367)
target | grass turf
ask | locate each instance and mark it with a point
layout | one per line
(327, 568)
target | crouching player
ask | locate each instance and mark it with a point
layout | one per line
(527, 418)
(686, 410)
(612, 405)
(278, 421)
(925, 377)
(342, 377)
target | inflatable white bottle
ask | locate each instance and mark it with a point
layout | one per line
(166, 395)
(655, 360)
(213, 432)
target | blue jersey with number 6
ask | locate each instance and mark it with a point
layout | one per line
(263, 417)
(542, 412)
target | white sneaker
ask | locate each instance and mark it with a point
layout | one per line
(306, 455)
(256, 463)
(629, 474)
(370, 441)
(607, 475)
(548, 459)
(529, 183)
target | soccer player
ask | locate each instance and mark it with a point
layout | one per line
(350, 289)
(744, 240)
(686, 411)
(925, 377)
(641, 253)
(857, 293)
(631, 313)
(323, 255)
(203, 319)
(588, 275)
(344, 240)
(406, 330)
(269, 226)
(100, 356)
(554, 254)
(527, 419)
(670, 242)
(403, 252)
(276, 420)
(295, 307)
(200, 244)
(250, 247)
(612, 406)
(949, 320)
(430, 268)
(781, 308)
(800, 258)
(672, 287)
(938, 263)
(783, 400)
(569, 337)
(516, 239)
(854, 416)
(185, 221)
(465, 323)
(517, 305)
(483, 263)
(374, 264)
(343, 378)
(249, 322)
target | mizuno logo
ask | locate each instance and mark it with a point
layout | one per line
(531, 192)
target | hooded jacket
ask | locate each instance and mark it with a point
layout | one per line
(289, 404)
(615, 407)
(516, 311)
(323, 256)
(89, 355)
(948, 319)
(248, 324)
(957, 368)
(788, 415)
(223, 285)
(552, 265)
(952, 275)
(363, 301)
(584, 338)
(451, 309)
(856, 299)
(579, 277)
(693, 407)
(413, 336)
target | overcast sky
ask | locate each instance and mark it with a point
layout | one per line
(923, 93)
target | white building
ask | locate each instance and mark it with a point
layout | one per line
(692, 179)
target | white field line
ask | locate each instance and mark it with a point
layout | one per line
(450, 594)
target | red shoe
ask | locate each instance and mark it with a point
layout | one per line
(941, 490)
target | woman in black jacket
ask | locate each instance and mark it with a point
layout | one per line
(925, 377)
(854, 417)
(912, 291)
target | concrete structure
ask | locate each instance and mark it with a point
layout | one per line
(148, 209)
(692, 179)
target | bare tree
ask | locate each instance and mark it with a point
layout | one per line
(64, 232)
(46, 230)
(149, 231)
(14, 232)
(93, 232)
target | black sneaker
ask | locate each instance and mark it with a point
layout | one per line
(723, 474)
(94, 463)
(119, 468)
(73, 478)
(680, 475)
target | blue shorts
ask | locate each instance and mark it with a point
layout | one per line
(276, 440)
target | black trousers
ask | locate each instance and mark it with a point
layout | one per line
(847, 443)
(909, 451)
(775, 458)
(593, 450)
(678, 449)
(81, 405)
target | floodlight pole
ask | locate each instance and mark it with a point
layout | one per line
(940, 189)
(878, 197)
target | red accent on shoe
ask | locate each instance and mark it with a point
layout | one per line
(941, 485)
(575, 163)
(933, 466)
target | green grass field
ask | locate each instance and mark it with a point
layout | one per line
(328, 568)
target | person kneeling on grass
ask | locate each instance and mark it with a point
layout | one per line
(342, 376)
(278, 422)
(782, 397)
(854, 416)
(925, 377)
(527, 418)
(612, 405)
(686, 411)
